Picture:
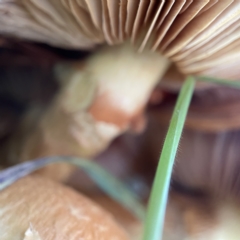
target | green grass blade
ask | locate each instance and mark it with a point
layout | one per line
(159, 194)
(108, 183)
(112, 187)
(227, 83)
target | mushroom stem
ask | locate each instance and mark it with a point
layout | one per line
(98, 101)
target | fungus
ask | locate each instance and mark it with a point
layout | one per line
(35, 208)
(208, 158)
(198, 36)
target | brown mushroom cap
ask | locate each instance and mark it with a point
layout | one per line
(208, 156)
(38, 209)
(199, 36)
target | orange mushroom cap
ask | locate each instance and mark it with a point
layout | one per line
(34, 208)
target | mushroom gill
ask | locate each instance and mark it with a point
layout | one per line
(199, 36)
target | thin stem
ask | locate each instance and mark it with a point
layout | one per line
(159, 194)
(225, 82)
(108, 183)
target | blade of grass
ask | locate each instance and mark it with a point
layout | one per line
(227, 83)
(159, 194)
(108, 183)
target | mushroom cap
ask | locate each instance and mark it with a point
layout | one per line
(38, 209)
(201, 37)
(208, 156)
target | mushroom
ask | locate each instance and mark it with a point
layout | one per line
(208, 156)
(95, 105)
(34, 208)
(199, 37)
